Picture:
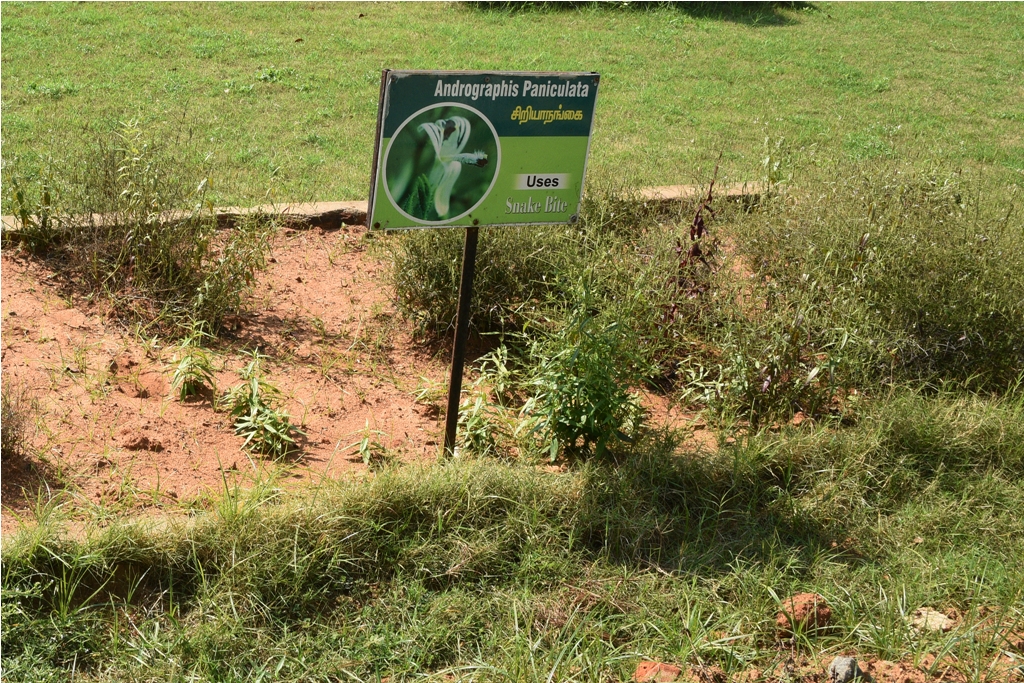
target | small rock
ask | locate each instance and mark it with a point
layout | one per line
(927, 619)
(845, 670)
(804, 610)
(656, 672)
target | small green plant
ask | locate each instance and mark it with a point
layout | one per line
(480, 425)
(254, 405)
(272, 74)
(580, 385)
(488, 418)
(194, 370)
(79, 361)
(428, 392)
(373, 453)
(376, 336)
(54, 91)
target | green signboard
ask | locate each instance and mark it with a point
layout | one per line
(459, 148)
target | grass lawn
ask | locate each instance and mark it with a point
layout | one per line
(284, 96)
(483, 571)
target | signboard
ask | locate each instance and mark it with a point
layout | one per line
(474, 148)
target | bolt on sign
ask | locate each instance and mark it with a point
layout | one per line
(475, 148)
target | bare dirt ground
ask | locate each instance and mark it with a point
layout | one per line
(109, 426)
(109, 429)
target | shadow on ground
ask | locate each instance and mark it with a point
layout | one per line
(748, 13)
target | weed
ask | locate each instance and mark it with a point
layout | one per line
(328, 361)
(771, 369)
(319, 325)
(272, 74)
(54, 91)
(193, 373)
(899, 276)
(131, 220)
(15, 419)
(430, 393)
(79, 361)
(486, 427)
(376, 337)
(254, 405)
(372, 452)
(580, 388)
(490, 423)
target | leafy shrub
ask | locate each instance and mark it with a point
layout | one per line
(770, 369)
(580, 384)
(254, 405)
(642, 271)
(513, 266)
(131, 220)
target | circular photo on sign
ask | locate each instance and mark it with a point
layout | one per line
(441, 163)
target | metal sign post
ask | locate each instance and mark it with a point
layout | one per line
(467, 149)
(451, 418)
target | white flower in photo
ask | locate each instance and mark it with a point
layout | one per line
(449, 137)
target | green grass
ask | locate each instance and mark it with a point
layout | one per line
(489, 571)
(284, 96)
(899, 122)
(154, 271)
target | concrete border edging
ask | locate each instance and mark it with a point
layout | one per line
(332, 215)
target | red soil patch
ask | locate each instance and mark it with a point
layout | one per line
(805, 611)
(109, 427)
(656, 672)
